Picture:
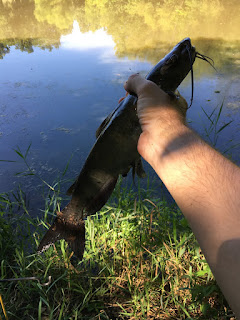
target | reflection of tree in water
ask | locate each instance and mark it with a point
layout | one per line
(59, 14)
(141, 29)
(4, 49)
(26, 45)
(20, 28)
(226, 54)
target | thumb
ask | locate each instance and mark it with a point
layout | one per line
(141, 87)
(135, 84)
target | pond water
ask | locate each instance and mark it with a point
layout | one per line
(64, 64)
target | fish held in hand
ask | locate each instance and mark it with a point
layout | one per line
(114, 153)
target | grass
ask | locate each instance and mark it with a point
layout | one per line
(213, 129)
(141, 262)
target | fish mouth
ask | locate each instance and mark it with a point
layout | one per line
(183, 51)
(188, 50)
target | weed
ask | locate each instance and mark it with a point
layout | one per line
(213, 129)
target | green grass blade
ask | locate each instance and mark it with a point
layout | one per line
(224, 126)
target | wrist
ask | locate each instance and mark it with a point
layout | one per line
(162, 143)
(176, 158)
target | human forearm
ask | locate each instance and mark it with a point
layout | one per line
(206, 186)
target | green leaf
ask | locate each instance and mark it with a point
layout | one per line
(26, 153)
(224, 126)
(204, 308)
(219, 112)
(19, 153)
(181, 251)
(209, 117)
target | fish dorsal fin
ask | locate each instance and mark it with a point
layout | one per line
(104, 124)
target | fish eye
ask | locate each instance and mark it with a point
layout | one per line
(172, 59)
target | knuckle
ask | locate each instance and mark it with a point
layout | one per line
(133, 75)
(148, 86)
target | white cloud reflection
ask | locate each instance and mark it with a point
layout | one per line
(88, 40)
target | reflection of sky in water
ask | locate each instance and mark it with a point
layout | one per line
(85, 41)
(56, 100)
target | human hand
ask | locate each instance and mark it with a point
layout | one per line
(160, 115)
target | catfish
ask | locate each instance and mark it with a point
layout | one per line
(114, 153)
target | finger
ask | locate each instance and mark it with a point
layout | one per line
(139, 86)
(121, 99)
(135, 83)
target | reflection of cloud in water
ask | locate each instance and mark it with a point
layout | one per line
(88, 40)
(63, 129)
(234, 106)
(234, 95)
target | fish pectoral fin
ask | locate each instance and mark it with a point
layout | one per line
(73, 233)
(72, 188)
(174, 95)
(102, 196)
(171, 94)
(139, 168)
(125, 173)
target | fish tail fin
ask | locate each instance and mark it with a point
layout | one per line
(73, 233)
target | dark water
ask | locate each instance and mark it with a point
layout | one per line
(58, 83)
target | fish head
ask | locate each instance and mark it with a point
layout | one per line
(174, 67)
